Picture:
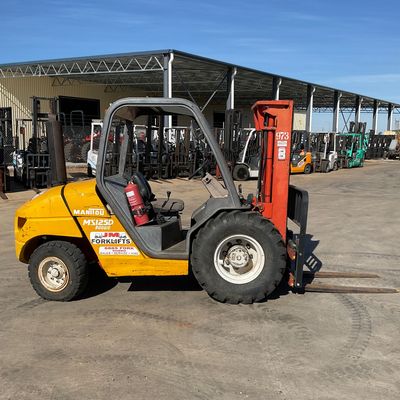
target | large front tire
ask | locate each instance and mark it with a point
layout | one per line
(238, 257)
(58, 271)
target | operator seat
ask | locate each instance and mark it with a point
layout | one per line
(165, 206)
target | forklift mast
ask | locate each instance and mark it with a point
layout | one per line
(232, 128)
(274, 121)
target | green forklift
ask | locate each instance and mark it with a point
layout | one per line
(352, 146)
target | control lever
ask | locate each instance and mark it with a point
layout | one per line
(168, 196)
(240, 191)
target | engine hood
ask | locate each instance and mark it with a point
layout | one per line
(47, 204)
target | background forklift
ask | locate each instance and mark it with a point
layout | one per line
(393, 151)
(352, 146)
(324, 154)
(38, 160)
(301, 154)
(247, 164)
(236, 247)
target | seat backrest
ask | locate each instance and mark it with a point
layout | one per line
(144, 187)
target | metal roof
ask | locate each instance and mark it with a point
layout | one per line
(194, 77)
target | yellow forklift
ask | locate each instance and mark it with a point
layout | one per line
(236, 247)
(301, 157)
(239, 249)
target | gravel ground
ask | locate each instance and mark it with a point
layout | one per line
(164, 338)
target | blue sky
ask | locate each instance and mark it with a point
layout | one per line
(352, 45)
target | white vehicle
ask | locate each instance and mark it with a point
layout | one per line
(95, 132)
(92, 154)
(248, 161)
(333, 157)
(394, 149)
(325, 158)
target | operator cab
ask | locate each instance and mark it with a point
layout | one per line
(122, 161)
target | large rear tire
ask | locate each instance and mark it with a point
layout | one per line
(238, 257)
(58, 271)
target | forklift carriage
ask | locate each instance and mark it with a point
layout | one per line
(238, 249)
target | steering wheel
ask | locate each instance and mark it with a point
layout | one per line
(205, 162)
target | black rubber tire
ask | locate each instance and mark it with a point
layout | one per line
(335, 166)
(308, 169)
(75, 262)
(240, 172)
(219, 228)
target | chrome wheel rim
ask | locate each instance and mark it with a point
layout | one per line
(239, 259)
(53, 274)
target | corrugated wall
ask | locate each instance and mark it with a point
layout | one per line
(17, 93)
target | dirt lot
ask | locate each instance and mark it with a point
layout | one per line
(166, 339)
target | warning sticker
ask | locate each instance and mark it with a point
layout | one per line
(109, 238)
(118, 251)
(281, 153)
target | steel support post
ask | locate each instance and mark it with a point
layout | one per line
(375, 113)
(357, 116)
(230, 102)
(390, 117)
(229, 114)
(336, 111)
(310, 103)
(167, 84)
(276, 84)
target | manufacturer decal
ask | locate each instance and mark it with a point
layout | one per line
(101, 224)
(109, 238)
(118, 251)
(89, 211)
